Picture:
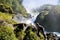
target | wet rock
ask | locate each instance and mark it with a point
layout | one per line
(49, 17)
(51, 36)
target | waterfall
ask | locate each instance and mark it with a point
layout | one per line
(20, 19)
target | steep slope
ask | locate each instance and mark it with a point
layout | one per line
(8, 9)
(49, 17)
(15, 5)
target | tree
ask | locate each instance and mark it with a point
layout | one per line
(15, 5)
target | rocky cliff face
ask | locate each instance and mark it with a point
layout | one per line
(49, 17)
(10, 29)
(8, 10)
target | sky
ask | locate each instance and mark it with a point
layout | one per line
(30, 4)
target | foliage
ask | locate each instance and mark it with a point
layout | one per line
(7, 18)
(21, 35)
(41, 36)
(30, 35)
(8, 8)
(7, 33)
(15, 6)
(18, 7)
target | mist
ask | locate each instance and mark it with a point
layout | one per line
(21, 19)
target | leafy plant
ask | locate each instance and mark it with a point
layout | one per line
(7, 33)
(30, 35)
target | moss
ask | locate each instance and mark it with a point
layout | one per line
(6, 33)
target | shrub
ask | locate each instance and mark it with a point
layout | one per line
(6, 33)
(21, 35)
(30, 35)
(5, 17)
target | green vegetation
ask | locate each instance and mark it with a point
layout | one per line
(8, 9)
(31, 35)
(5, 17)
(13, 6)
(7, 33)
(20, 35)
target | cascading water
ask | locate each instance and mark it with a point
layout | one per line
(20, 19)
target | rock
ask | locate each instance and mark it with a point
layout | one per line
(49, 17)
(37, 29)
(51, 36)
